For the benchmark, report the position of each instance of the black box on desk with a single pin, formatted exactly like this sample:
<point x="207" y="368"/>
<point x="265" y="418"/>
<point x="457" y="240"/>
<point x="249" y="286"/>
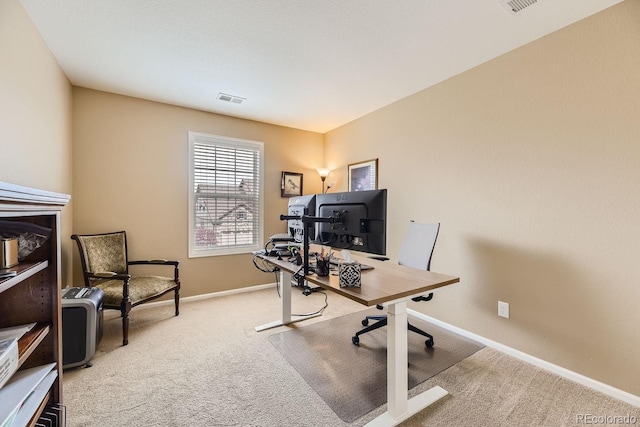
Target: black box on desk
<point x="82" y="318"/>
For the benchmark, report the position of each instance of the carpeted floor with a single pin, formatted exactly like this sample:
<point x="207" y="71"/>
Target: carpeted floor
<point x="209" y="367"/>
<point x="351" y="379"/>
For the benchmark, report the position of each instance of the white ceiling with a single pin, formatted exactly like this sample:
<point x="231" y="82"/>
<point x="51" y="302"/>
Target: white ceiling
<point x="307" y="64"/>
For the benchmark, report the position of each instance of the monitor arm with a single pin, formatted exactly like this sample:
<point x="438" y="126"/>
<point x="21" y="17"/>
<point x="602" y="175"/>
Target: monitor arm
<point x="307" y="220"/>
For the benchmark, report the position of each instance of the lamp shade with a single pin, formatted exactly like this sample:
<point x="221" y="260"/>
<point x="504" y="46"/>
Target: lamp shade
<point x="323" y="172"/>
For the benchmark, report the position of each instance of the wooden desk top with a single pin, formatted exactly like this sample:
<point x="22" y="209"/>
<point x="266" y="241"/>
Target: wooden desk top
<point x="386" y="282"/>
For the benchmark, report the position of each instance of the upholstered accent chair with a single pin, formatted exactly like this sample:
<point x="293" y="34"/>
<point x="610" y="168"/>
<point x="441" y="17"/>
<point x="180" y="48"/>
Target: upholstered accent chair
<point x="105" y="264"/>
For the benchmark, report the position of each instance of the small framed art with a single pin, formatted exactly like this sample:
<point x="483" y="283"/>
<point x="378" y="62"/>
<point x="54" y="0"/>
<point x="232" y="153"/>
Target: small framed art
<point x="363" y="175"/>
<point x="291" y="184"/>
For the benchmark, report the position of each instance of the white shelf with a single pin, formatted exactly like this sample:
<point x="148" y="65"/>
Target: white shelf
<point x="24" y="393"/>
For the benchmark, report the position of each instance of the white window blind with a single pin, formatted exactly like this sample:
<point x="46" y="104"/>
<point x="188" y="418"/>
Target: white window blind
<point x="226" y="201"/>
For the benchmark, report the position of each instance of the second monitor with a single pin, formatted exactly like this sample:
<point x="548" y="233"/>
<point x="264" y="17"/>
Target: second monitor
<point x="299" y="206"/>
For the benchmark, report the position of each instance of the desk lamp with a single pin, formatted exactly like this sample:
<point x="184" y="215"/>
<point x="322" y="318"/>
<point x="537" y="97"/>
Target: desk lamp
<point x="323" y="172"/>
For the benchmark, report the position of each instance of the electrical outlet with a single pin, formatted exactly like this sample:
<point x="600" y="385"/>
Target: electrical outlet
<point x="503" y="309"/>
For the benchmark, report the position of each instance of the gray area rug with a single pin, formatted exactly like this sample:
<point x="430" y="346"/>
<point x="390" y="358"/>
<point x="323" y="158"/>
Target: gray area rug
<point x="351" y="379"/>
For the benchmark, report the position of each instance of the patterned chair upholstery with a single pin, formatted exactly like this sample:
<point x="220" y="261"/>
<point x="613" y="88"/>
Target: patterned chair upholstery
<point x="105" y="265"/>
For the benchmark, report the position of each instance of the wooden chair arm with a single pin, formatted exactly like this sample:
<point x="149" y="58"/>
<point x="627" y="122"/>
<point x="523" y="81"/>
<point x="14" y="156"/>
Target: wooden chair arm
<point x="155" y="261"/>
<point x="109" y="275"/>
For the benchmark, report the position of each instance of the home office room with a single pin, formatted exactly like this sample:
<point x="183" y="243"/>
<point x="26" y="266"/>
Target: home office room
<point x="500" y="143"/>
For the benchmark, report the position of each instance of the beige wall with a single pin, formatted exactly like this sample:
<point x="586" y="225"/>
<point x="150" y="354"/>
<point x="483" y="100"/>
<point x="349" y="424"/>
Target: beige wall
<point x="35" y="115"/>
<point x="131" y="172"/>
<point x="531" y="163"/>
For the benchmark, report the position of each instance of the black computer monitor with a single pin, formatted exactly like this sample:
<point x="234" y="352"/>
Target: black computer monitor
<point x="360" y="219"/>
<point x="299" y="206"/>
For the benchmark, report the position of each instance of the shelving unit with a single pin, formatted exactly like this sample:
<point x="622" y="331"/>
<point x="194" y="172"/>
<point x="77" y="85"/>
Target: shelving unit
<point x="33" y="296"/>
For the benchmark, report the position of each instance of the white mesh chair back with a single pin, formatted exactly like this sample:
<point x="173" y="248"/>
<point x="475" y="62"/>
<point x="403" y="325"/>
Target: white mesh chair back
<point x="417" y="247"/>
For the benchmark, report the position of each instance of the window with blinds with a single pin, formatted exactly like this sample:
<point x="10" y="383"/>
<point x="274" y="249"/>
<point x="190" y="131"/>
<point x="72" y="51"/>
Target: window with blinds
<point x="225" y="195"/>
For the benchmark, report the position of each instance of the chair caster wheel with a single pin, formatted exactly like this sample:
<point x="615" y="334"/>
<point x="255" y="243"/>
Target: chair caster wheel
<point x="429" y="343"/>
<point x="355" y="340"/>
<point x="365" y="322"/>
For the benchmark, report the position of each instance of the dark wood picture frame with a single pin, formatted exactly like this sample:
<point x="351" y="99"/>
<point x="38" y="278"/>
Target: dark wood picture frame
<point x="291" y="184"/>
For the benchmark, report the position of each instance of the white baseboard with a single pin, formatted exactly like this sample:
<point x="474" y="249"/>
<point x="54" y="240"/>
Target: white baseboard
<point x="207" y="296"/>
<point x="558" y="370"/>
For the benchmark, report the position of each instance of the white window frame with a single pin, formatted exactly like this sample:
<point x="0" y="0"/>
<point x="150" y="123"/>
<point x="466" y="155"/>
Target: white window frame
<point x="208" y="139"/>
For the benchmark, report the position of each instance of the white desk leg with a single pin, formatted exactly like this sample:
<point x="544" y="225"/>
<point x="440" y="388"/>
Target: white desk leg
<point x="399" y="407"/>
<point x="285" y="304"/>
<point x="397" y="360"/>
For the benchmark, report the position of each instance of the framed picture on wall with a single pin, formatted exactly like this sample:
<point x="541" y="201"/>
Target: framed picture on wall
<point x="363" y="175"/>
<point x="291" y="184"/>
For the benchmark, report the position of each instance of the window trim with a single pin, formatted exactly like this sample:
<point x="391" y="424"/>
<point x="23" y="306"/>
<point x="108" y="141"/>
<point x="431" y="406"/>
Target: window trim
<point x="204" y="138"/>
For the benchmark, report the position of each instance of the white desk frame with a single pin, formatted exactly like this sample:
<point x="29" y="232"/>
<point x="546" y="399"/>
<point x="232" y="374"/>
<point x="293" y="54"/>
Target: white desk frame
<point x="399" y="406"/>
<point x="285" y="305"/>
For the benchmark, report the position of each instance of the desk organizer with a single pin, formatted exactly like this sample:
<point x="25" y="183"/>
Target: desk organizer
<point x="349" y="273"/>
<point x="322" y="267"/>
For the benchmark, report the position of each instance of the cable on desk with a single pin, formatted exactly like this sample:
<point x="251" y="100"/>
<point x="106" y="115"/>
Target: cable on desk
<point x="264" y="266"/>
<point x="314" y="290"/>
<point x="326" y="304"/>
<point x="294" y="275"/>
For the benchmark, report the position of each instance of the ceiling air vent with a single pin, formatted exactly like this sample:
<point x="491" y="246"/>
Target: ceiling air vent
<point x="231" y="98"/>
<point x="515" y="6"/>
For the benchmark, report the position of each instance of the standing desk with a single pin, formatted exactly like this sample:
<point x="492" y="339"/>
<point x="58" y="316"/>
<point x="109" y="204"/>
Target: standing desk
<point x="386" y="283"/>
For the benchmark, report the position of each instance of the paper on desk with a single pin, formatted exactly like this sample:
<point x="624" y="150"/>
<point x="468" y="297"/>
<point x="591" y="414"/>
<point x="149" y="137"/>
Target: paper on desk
<point x="15" y="331"/>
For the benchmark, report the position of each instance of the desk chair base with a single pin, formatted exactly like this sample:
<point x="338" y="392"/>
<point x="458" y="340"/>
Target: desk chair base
<point x="382" y="321"/>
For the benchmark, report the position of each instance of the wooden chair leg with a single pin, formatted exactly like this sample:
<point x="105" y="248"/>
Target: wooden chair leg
<point x="125" y="329"/>
<point x="177" y="299"/>
<point x="125" y="308"/>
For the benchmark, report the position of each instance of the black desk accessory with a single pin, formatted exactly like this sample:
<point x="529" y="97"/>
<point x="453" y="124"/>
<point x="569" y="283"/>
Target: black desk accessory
<point x="308" y="221"/>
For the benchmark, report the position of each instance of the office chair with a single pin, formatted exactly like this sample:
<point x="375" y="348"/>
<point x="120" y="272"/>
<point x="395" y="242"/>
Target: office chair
<point x="415" y="252"/>
<point x="105" y="264"/>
